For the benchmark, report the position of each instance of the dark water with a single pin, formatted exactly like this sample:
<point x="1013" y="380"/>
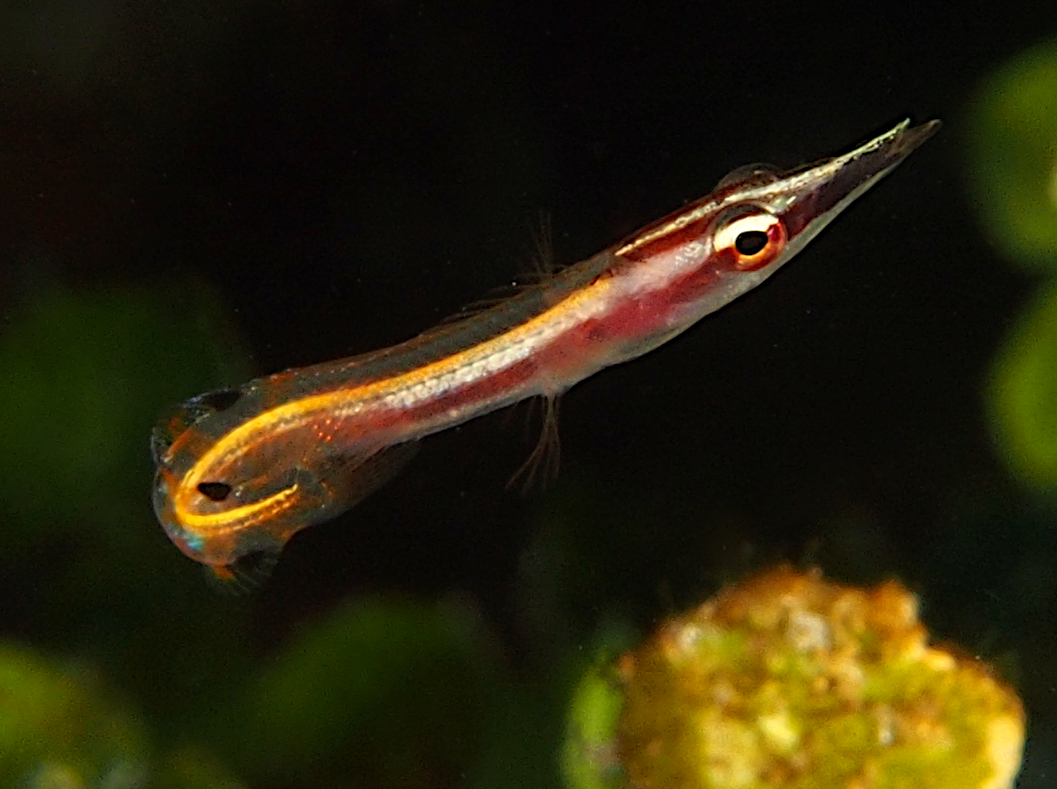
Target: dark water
<point x="203" y="192"/>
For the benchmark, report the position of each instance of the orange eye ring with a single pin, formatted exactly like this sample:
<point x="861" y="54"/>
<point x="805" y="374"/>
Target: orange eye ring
<point x="752" y="240"/>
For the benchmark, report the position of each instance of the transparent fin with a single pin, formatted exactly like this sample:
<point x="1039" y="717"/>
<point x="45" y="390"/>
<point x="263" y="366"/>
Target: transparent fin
<point x="339" y="483"/>
<point x="349" y="479"/>
<point x="542" y="463"/>
<point x="246" y="574"/>
<point x="542" y="268"/>
<point x="176" y="420"/>
<point x="496" y="296"/>
<point x="543" y="264"/>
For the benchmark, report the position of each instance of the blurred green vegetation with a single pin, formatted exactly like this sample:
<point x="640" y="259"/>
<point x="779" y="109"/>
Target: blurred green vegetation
<point x="1013" y="162"/>
<point x="60" y="726"/>
<point x="1023" y="392"/>
<point x="86" y="372"/>
<point x="346" y="690"/>
<point x="1013" y="158"/>
<point x="588" y="755"/>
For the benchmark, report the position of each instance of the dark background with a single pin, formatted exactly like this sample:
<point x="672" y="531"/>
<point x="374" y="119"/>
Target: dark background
<point x="344" y="175"/>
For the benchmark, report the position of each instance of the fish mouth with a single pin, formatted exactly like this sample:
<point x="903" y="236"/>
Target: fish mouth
<point x="813" y="196"/>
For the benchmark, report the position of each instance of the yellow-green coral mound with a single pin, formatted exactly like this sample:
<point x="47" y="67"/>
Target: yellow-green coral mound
<point x="789" y="681"/>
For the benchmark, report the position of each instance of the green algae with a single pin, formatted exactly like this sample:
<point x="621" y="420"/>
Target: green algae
<point x="87" y="372"/>
<point x="391" y="692"/>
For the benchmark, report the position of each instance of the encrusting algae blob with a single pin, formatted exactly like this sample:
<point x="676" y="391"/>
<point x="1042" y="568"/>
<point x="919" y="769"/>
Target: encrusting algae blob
<point x="788" y="681"/>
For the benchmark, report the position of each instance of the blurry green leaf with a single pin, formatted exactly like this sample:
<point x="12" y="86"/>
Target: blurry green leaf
<point x="589" y="755"/>
<point x="1013" y="157"/>
<point x="60" y="728"/>
<point x="193" y="768"/>
<point x="377" y="694"/>
<point x="1023" y="393"/>
<point x="87" y="374"/>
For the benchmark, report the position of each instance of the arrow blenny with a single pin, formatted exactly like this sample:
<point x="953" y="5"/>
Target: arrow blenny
<point x="239" y="471"/>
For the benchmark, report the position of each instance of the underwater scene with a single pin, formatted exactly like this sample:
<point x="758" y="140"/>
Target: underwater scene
<point x="800" y="534"/>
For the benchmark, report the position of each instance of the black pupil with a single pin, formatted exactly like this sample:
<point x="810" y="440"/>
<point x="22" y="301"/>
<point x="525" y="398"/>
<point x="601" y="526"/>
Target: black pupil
<point x="214" y="491"/>
<point x="750" y="242"/>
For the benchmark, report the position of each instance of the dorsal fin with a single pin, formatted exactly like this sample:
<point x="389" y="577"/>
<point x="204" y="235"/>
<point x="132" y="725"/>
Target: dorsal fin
<point x="495" y="297"/>
<point x="542" y="268"/>
<point x="543" y="263"/>
<point x="186" y="415"/>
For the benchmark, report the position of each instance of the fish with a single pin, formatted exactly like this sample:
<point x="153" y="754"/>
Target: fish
<point x="239" y="471"/>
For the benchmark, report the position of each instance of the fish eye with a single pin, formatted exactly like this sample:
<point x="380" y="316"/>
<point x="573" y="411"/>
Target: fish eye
<point x="753" y="237"/>
<point x="751" y="242"/>
<point x="214" y="491"/>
